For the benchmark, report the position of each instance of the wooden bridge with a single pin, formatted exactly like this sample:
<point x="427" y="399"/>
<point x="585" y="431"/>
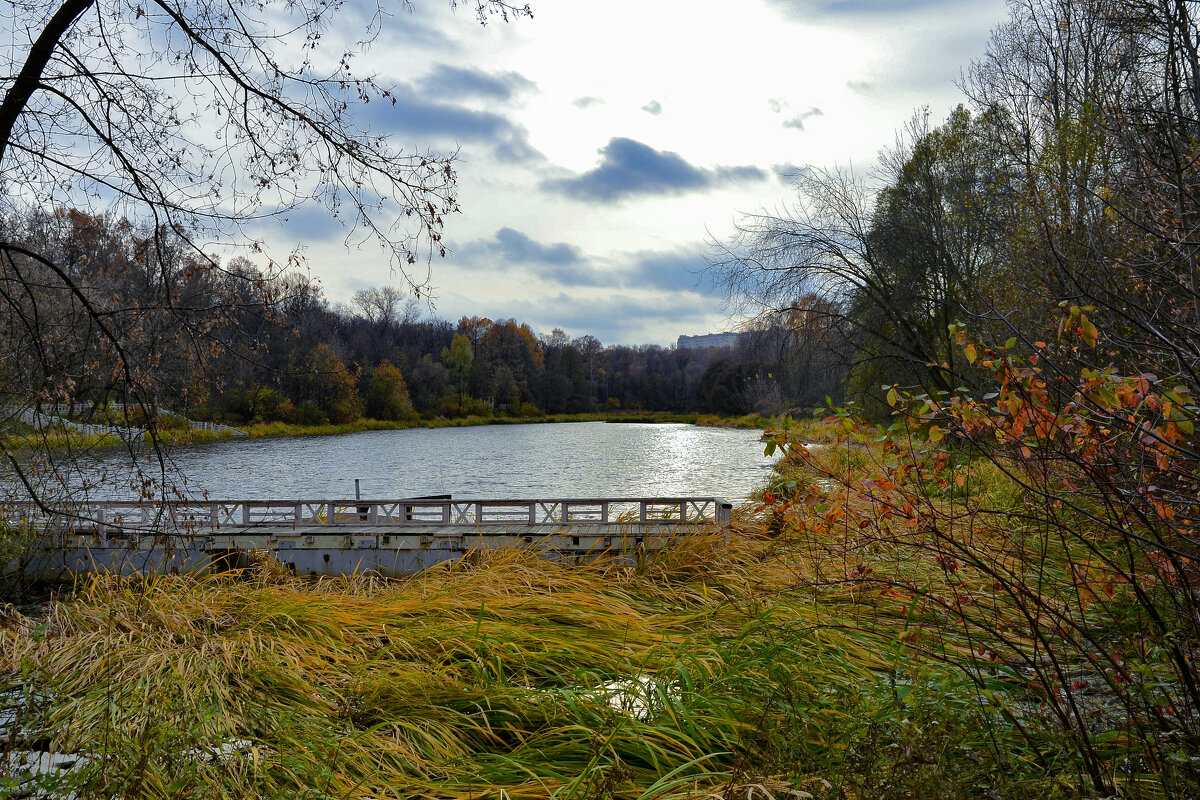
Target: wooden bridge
<point x="390" y="537"/>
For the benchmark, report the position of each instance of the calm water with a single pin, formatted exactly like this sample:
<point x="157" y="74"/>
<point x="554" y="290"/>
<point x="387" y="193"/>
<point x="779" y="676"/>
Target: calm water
<point x="590" y="459"/>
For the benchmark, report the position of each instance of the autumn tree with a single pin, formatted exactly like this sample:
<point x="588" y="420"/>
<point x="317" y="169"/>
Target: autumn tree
<point x="458" y="358"/>
<point x="1098" y="105"/>
<point x="508" y="363"/>
<point x="589" y="348"/>
<point x="897" y="260"/>
<point x="430" y="381"/>
<point x="387" y="394"/>
<point x="324" y="385"/>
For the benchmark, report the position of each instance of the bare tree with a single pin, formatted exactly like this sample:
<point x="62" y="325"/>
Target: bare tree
<point x="205" y="115"/>
<point x="193" y="119"/>
<point x="1097" y="103"/>
<point x="382" y="306"/>
<point x="897" y="259"/>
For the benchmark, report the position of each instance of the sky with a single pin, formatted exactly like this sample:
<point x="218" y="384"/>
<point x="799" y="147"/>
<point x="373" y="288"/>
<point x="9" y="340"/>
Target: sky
<point x="604" y="146"/>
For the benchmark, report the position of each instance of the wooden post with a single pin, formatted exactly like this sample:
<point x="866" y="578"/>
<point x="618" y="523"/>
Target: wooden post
<point x="724" y="511"/>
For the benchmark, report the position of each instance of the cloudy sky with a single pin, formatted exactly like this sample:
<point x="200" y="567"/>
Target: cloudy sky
<point x="602" y="144"/>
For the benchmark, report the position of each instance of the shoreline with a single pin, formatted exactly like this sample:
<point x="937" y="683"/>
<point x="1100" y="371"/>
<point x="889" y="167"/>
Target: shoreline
<point x="58" y="441"/>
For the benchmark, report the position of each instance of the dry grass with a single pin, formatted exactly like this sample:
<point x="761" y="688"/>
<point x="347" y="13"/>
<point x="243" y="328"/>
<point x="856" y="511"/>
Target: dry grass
<point x="482" y="680"/>
<point x="825" y="650"/>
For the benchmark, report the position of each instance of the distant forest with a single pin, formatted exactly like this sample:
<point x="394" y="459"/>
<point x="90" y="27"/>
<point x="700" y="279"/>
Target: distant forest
<point x="1061" y="199"/>
<point x="239" y="344"/>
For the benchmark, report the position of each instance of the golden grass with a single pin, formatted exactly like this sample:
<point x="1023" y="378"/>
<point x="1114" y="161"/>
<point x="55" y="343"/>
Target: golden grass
<point x="481" y="680"/>
<point x="821" y="650"/>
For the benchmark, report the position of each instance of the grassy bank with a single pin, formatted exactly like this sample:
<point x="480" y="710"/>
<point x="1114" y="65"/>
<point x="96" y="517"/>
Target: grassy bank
<point x="59" y="440"/>
<point x="74" y="441"/>
<point x="702" y="671"/>
<point x="654" y="417"/>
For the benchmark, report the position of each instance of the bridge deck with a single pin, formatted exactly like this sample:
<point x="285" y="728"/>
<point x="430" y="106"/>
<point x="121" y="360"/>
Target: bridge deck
<point x="339" y="537"/>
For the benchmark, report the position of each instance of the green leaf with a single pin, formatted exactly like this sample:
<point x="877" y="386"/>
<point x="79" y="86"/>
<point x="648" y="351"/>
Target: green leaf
<point x="970" y="353"/>
<point x="936" y="434"/>
<point x="1091" y="334"/>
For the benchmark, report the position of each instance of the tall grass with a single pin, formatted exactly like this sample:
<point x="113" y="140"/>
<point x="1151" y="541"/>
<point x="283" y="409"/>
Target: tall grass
<point x="494" y="679"/>
<point x="833" y="648"/>
<point x="276" y="429"/>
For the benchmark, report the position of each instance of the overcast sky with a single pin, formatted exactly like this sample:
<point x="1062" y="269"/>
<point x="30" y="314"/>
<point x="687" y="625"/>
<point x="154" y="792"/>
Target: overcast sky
<point x="602" y="144"/>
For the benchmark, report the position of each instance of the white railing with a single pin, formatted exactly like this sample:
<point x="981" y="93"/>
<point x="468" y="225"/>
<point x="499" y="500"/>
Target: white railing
<point x="41" y="421"/>
<point x="209" y="516"/>
<point x="52" y="414"/>
<point x="216" y="427"/>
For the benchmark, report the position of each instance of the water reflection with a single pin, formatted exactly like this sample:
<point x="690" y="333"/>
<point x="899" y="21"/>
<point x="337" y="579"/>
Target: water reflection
<point x="497" y="462"/>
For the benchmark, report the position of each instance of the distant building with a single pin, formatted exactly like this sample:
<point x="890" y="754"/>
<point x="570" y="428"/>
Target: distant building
<point x="707" y="340"/>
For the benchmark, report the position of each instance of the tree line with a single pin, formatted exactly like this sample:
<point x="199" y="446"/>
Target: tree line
<point x="238" y="344"/>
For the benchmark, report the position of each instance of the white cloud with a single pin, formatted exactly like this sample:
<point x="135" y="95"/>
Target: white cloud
<point x="565" y="85"/>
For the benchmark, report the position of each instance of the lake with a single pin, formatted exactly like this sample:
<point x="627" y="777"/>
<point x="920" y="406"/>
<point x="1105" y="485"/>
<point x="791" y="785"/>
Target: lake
<point x="587" y="459"/>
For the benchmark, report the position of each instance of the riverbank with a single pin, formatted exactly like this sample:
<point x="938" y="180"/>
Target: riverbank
<point x="887" y="619"/>
<point x="72" y="440"/>
<point x="275" y="429"/>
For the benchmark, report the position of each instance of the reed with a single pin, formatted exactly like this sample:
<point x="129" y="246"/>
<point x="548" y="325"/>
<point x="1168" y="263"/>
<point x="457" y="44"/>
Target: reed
<point x="491" y="679"/>
<point x="811" y="655"/>
<point x="277" y="429"/>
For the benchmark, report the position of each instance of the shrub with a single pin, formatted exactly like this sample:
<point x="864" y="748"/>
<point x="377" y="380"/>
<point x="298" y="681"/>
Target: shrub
<point x="455" y="406"/>
<point x="525" y="410"/>
<point x="1041" y="541"/>
<point x="309" y="413"/>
